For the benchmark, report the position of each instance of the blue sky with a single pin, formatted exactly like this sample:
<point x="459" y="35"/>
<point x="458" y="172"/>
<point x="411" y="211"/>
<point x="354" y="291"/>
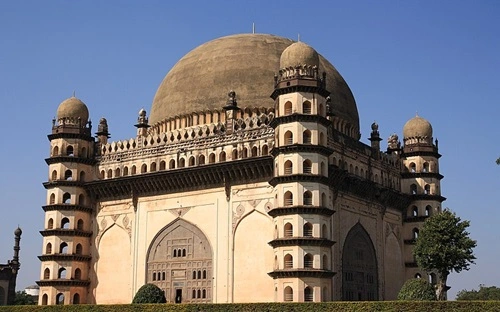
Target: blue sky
<point x="438" y="58"/>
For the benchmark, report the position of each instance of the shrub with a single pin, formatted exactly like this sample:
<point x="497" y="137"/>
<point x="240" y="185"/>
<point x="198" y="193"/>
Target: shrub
<point x="149" y="293"/>
<point x="417" y="289"/>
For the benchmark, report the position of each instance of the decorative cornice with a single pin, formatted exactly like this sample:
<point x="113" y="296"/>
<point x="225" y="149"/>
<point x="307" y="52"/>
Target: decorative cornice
<point x="296" y="117"/>
<point x="294" y="210"/>
<point x="67" y="207"/>
<point x="301" y="177"/>
<point x="435" y="175"/>
<point x="65" y="257"/>
<point x="63" y="282"/>
<point x="301" y="148"/>
<point x="434" y="197"/>
<point x="70" y="159"/>
<point x="301" y="241"/>
<point x="250" y="170"/>
<point x="59" y="183"/>
<point x="65" y="135"/>
<point x="65" y="232"/>
<point x="287" y="273"/>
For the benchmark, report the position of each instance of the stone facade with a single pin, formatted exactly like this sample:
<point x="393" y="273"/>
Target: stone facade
<point x="274" y="201"/>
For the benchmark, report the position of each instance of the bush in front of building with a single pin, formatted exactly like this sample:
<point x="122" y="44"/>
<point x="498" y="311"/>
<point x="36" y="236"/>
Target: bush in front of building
<point x="149" y="293"/>
<point x="417" y="289"/>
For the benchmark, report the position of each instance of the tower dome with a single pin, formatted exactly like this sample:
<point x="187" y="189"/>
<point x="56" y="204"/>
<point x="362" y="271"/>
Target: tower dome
<point x="245" y="63"/>
<point x="71" y="109"/>
<point x="417" y="127"/>
<point x="299" y="53"/>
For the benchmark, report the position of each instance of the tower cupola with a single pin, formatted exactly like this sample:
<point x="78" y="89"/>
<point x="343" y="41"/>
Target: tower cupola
<point x="417" y="129"/>
<point x="72" y="111"/>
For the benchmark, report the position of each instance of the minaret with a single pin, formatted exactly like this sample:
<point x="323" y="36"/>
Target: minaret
<point x="14" y="265"/>
<point x="66" y="256"/>
<point x="421" y="179"/>
<point x="304" y="205"/>
<point x="375" y="139"/>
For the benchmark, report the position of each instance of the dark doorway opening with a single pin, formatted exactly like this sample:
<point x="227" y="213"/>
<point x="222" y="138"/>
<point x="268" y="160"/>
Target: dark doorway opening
<point x="178" y="295"/>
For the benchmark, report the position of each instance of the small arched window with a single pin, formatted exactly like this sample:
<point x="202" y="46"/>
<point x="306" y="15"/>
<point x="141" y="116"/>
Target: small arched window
<point x="182" y="163"/>
<point x="117" y="173"/>
<point x="64" y="223"/>
<point x="234" y="154"/>
<point x="78" y="274"/>
<point x="144" y="168"/>
<point x="324" y="200"/>
<point x="325" y="265"/>
<point x="191" y="161"/>
<point x="110" y="174"/>
<point x="308" y="198"/>
<point x="204" y="274"/>
<point x="194" y="274"/>
<point x="308" y="229"/>
<point x="171" y="164"/>
<point x="288" y="108"/>
<point x="183" y="252"/>
<point x="413" y="167"/>
<point x="288" y="167"/>
<point x="175" y="253"/>
<point x="418" y="275"/>
<point x="69" y="151"/>
<point x="254" y="151"/>
<point x="308" y="261"/>
<point x="152" y="167"/>
<point x="199" y="274"/>
<point x="288" y="230"/>
<point x="321" y="138"/>
<point x="222" y="156"/>
<point x="211" y="158"/>
<point x="428" y="210"/>
<point x="288" y="138"/>
<point x="425" y="167"/>
<point x="324" y="231"/>
<point x="60" y="298"/>
<point x="52" y="199"/>
<point x="133" y="170"/>
<point x="61" y="273"/>
<point x="50" y="224"/>
<point x="46" y="273"/>
<point x="306" y="137"/>
<point x="288" y="294"/>
<point x="427" y="189"/>
<point x="55" y="151"/>
<point x="413" y="189"/>
<point x="307" y="166"/>
<point x="201" y="160"/>
<point x="204" y="293"/>
<point x="45" y="299"/>
<point x="415" y="233"/>
<point x="63" y="248"/>
<point x="308" y="294"/>
<point x="125" y="171"/>
<point x="244" y="153"/>
<point x="415" y="211"/>
<point x="76" y="299"/>
<point x="78" y="249"/>
<point x="265" y="150"/>
<point x="79" y="225"/>
<point x="81" y="200"/>
<point x="163" y="165"/>
<point x="48" y="249"/>
<point x="68" y="175"/>
<point x="82" y="176"/>
<point x="54" y="175"/>
<point x="288" y="198"/>
<point x="306" y="108"/>
<point x="288" y="261"/>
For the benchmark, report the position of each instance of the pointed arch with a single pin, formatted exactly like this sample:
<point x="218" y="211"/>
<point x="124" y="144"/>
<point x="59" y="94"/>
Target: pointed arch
<point x="359" y="263"/>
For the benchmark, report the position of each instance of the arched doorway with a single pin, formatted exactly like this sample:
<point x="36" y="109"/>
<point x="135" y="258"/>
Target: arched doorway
<point x="359" y="266"/>
<point x="179" y="261"/>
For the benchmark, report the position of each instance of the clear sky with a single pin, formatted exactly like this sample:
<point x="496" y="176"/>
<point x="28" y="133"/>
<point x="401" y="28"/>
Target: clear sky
<point x="438" y="58"/>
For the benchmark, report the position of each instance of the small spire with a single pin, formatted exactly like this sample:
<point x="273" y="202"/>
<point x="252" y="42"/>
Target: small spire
<point x="253" y="28"/>
<point x="74" y="93"/>
<point x="416" y="113"/>
<point x="298" y="37"/>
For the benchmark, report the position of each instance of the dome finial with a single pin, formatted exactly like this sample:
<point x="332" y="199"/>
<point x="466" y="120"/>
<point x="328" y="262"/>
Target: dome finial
<point x="298" y="37"/>
<point x="253" y="28"/>
<point x="74" y="93"/>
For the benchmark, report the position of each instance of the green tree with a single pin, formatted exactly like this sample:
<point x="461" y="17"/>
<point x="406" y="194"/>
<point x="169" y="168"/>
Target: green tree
<point x="443" y="245"/>
<point x="484" y="293"/>
<point x="417" y="289"/>
<point x="149" y="293"/>
<point x="22" y="298"/>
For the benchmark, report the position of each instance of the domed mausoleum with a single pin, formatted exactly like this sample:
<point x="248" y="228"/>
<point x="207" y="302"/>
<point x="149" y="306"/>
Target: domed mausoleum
<point x="247" y="182"/>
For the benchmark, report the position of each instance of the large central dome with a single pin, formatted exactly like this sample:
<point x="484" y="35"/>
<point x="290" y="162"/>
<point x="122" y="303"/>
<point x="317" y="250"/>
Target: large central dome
<point x="245" y="63"/>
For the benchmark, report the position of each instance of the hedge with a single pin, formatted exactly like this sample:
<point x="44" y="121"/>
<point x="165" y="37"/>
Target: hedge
<point x="418" y="306"/>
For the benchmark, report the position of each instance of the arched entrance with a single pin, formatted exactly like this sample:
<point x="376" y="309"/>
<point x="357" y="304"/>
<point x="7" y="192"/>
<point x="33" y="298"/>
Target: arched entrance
<point x="359" y="266"/>
<point x="179" y="261"/>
